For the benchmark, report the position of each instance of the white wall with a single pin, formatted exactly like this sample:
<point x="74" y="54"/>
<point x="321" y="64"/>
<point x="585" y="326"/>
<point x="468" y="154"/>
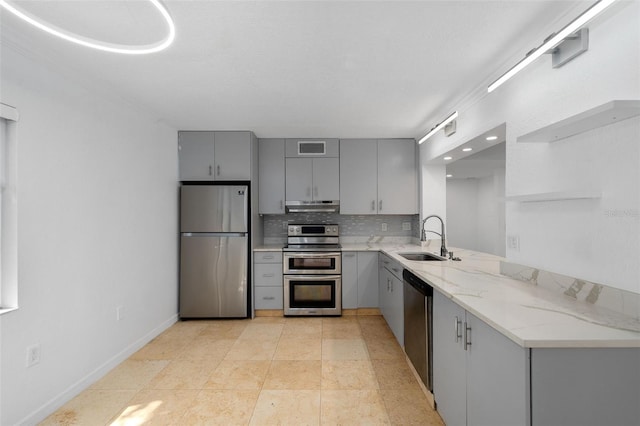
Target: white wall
<point x="97" y="215"/>
<point x="433" y="192"/>
<point x="462" y="213"/>
<point x="584" y="239"/>
<point x="475" y="213"/>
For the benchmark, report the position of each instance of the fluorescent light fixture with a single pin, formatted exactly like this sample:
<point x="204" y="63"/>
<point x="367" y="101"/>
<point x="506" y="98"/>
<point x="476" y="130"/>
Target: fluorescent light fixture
<point x="491" y="138"/>
<point x="467" y="149"/>
<point x="552" y="42"/>
<point x="449" y="175"/>
<point x="448" y="158"/>
<point x="433" y="131"/>
<point x="97" y="44"/>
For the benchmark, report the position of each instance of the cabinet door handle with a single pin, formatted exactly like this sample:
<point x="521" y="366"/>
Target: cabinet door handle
<point x="218" y="170"/>
<point x="457" y="329"/>
<point x="467" y="336"/>
<point x="349" y="255"/>
<point x="210" y="170"/>
<point x="380" y="205"/>
<point x="373" y="205"/>
<point x="268" y="275"/>
<point x="268" y="256"/>
<point x="395" y="270"/>
<point x="281" y="207"/>
<point x="268" y="298"/>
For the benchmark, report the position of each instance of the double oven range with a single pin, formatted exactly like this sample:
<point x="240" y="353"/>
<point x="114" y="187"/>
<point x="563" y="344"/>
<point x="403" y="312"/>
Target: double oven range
<point x="312" y="270"/>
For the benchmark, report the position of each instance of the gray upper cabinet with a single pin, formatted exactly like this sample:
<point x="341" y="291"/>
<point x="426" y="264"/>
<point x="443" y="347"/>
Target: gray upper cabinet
<point x="309" y="179"/>
<point x="378" y="176"/>
<point x="397" y="177"/>
<point x="326" y="179"/>
<point x="196" y="155"/>
<point x="208" y="155"/>
<point x="233" y="155"/>
<point x="271" y="176"/>
<point x="312" y="169"/>
<point x="359" y="176"/>
<point x="299" y="179"/>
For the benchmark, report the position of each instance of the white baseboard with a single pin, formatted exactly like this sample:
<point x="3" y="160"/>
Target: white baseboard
<point x="72" y="391"/>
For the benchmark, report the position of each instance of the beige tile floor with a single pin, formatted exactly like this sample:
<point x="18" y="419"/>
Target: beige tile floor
<point x="265" y="371"/>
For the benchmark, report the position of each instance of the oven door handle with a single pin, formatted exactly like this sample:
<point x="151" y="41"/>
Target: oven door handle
<point x="316" y="255"/>
<point x="313" y="277"/>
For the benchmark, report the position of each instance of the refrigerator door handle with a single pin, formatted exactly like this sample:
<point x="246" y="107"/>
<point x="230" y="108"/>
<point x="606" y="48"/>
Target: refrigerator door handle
<point x="214" y="234"/>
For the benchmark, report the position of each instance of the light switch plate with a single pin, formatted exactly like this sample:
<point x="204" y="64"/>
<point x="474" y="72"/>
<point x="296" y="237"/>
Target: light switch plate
<point x="406" y="226"/>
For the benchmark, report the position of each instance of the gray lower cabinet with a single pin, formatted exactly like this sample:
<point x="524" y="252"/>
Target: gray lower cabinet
<point x="391" y="295"/>
<point x="480" y="377"/>
<point x="585" y="386"/>
<point x="359" y="279"/>
<point x="349" y="280"/>
<point x="490" y="380"/>
<point x="267" y="279"/>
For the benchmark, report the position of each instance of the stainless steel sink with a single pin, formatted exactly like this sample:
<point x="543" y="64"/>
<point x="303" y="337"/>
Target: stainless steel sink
<point x="422" y="257"/>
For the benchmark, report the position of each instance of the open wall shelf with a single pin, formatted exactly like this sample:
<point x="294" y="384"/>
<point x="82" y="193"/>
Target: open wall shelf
<point x="602" y="115"/>
<point x="555" y="196"/>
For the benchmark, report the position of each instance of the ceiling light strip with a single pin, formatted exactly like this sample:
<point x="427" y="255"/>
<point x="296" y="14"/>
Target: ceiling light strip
<point x="433" y="131"/>
<point x="97" y="44"/>
<point x="565" y="32"/>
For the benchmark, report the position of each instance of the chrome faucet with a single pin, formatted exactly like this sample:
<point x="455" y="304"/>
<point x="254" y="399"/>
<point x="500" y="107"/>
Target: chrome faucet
<point x="423" y="237"/>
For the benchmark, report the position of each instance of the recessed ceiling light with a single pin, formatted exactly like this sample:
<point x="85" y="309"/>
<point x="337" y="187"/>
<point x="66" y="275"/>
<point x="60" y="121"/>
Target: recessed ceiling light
<point x="98" y="44"/>
<point x="449" y="175"/>
<point x="467" y="149"/>
<point x="448" y="158"/>
<point x="492" y="138"/>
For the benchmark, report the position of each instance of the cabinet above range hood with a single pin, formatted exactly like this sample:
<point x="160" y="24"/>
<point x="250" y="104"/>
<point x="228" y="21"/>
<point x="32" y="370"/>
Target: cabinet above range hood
<point x="315" y="206"/>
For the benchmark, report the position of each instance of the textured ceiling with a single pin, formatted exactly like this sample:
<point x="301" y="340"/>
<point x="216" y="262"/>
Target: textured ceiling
<point x="296" y="68"/>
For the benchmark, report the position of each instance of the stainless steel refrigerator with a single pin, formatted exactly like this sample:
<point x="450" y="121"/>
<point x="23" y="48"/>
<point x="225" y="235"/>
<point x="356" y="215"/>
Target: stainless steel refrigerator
<point x="214" y="245"/>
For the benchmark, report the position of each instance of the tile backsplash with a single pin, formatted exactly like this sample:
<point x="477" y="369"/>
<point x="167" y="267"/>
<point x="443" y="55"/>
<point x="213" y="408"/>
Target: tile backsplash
<point x="275" y="226"/>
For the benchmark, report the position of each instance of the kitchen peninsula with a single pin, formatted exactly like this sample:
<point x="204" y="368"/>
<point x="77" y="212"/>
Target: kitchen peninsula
<point x="541" y="341"/>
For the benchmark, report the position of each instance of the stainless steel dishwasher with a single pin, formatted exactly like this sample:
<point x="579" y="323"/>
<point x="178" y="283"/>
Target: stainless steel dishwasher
<point x="418" y="316"/>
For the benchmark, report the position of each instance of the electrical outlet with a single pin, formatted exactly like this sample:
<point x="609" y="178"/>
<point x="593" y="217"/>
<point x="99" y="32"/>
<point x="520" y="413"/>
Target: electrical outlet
<point x="33" y="355"/>
<point x="119" y="313"/>
<point x="285" y="225"/>
<point x="384" y="227"/>
<point x="513" y="242"/>
<point x="406" y="226"/>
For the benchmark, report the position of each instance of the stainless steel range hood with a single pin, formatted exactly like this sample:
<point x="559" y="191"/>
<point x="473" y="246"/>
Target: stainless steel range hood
<point x="324" y="206"/>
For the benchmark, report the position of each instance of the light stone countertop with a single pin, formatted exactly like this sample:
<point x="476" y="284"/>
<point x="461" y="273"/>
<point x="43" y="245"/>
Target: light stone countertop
<point x="530" y="315"/>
